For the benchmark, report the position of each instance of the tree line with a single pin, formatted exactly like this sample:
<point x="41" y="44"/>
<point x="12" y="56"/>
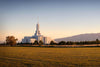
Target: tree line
<point x="75" y="43"/>
<point x="11" y="40"/>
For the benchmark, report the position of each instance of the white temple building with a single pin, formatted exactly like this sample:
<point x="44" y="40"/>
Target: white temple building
<point x="37" y="36"/>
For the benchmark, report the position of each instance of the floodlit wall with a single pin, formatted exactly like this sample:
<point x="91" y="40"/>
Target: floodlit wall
<point x="32" y="40"/>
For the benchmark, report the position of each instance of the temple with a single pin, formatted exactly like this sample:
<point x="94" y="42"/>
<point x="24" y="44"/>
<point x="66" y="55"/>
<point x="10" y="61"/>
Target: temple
<point x="37" y="36"/>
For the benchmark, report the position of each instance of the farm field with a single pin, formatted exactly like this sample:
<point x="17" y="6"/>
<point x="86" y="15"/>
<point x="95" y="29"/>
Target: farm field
<point x="49" y="57"/>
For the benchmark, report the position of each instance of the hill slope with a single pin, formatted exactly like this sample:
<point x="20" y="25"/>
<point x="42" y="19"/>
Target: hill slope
<point x="81" y="37"/>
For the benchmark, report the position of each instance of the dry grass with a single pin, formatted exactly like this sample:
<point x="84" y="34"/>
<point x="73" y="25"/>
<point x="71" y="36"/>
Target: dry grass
<point x="49" y="57"/>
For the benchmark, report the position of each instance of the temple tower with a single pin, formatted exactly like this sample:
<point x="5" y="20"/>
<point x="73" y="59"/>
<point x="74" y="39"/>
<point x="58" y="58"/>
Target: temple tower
<point x="37" y="33"/>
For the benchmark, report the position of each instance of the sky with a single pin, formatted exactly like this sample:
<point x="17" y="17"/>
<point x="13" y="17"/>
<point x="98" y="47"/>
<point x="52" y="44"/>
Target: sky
<point x="57" y="18"/>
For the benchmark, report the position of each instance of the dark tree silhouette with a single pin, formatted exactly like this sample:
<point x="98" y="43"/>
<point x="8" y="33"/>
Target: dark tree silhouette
<point x="35" y="42"/>
<point x="70" y="43"/>
<point x="52" y="43"/>
<point x="62" y="43"/>
<point x="40" y="43"/>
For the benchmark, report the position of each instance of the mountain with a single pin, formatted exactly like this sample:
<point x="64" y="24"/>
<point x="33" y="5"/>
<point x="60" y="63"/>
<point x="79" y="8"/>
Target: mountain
<point x="81" y="37"/>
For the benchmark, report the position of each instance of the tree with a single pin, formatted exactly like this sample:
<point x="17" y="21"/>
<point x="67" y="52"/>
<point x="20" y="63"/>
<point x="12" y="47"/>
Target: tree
<point x="10" y="40"/>
<point x="62" y="43"/>
<point x="35" y="42"/>
<point x="97" y="42"/>
<point x="40" y="43"/>
<point x="52" y="43"/>
<point x="70" y="43"/>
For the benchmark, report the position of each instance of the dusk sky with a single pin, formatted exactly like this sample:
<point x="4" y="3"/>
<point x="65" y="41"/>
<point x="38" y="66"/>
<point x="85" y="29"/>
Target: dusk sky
<point x="57" y="18"/>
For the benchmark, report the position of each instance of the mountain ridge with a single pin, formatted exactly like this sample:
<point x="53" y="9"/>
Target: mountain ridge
<point x="80" y="37"/>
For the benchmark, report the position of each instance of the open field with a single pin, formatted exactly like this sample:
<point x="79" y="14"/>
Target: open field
<point x="49" y="57"/>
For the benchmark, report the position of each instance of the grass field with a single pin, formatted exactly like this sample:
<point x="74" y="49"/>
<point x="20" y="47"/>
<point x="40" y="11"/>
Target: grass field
<point x="49" y="57"/>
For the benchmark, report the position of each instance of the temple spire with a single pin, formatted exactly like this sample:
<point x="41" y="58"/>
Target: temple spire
<point x="37" y="28"/>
